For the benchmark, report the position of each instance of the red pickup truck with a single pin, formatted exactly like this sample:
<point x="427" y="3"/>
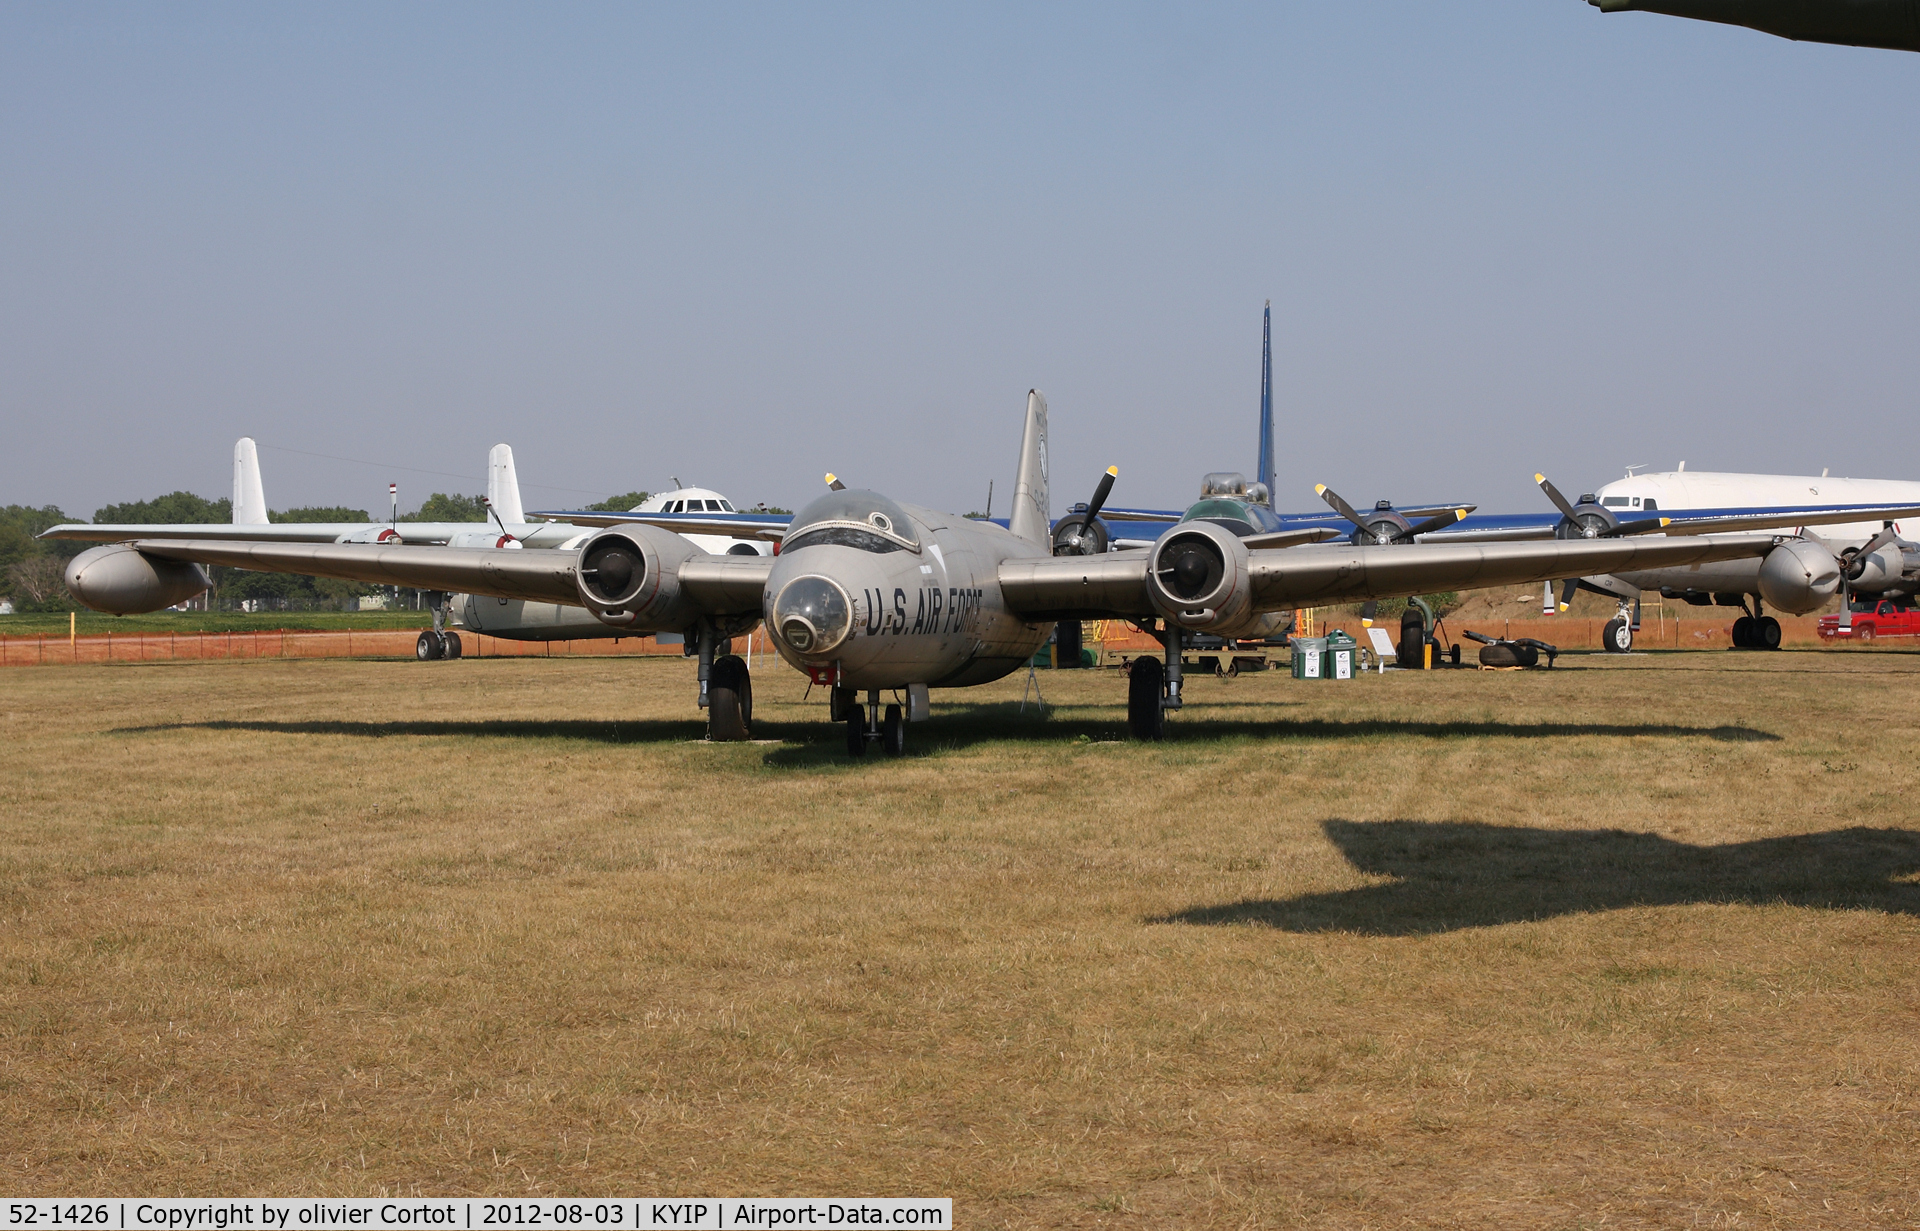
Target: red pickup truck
<point x="1872" y="619"/>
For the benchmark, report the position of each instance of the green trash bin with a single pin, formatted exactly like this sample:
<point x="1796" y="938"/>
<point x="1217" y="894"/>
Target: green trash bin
<point x="1343" y="656"/>
<point x="1309" y="658"/>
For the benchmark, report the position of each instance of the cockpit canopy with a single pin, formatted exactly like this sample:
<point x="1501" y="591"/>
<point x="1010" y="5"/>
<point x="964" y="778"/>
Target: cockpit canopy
<point x="1226" y="483"/>
<point x="864" y="520"/>
<point x="1238" y="517"/>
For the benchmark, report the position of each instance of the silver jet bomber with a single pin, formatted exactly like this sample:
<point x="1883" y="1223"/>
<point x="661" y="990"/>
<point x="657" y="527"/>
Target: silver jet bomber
<point x="869" y="595"/>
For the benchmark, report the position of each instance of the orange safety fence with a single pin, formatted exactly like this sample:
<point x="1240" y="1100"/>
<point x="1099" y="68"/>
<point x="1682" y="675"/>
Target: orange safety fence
<point x="56" y="650"/>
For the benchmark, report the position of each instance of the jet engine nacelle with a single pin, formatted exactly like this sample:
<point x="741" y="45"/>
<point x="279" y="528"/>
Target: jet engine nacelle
<point x="1798" y="576"/>
<point x="118" y="580"/>
<point x="1197" y="578"/>
<point x="629" y="577"/>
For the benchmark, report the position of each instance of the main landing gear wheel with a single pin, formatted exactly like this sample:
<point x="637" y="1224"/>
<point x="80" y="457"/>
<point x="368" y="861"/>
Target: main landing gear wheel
<point x="1766" y="633"/>
<point x="1146" y="719"/>
<point x="1617" y="636"/>
<point x="729" y="700"/>
<point x="893" y="732"/>
<point x="1743" y="633"/>
<point x="429" y="647"/>
<point x="452" y="643"/>
<point x="857" y="732"/>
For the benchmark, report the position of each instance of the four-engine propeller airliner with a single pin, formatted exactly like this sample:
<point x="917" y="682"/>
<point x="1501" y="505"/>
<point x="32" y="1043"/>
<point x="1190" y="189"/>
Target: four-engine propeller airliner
<point x="871" y="595"/>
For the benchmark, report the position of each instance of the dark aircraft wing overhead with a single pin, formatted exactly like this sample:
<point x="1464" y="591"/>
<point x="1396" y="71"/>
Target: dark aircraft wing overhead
<point x="539" y="576"/>
<point x="768" y="526"/>
<point x="1892" y="24"/>
<point x="1116" y="583"/>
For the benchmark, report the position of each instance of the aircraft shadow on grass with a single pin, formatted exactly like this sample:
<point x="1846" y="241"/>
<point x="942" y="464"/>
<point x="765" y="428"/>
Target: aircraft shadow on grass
<point x="966" y="725"/>
<point x="1457" y="875"/>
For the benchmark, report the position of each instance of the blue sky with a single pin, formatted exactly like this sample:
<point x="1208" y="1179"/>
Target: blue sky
<point x="746" y="245"/>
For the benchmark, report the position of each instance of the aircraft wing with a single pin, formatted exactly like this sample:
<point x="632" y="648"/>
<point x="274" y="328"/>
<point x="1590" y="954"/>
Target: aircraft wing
<point x="1517" y="527"/>
<point x="1116" y="583"/>
<point x="302" y="532"/>
<point x="726" y="583"/>
<point x="718" y="584"/>
<point x="1166" y="515"/>
<point x="277" y="532"/>
<point x="539" y="576"/>
<point x="769" y="526"/>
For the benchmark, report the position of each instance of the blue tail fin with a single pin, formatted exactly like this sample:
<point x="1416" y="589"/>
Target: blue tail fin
<point x="1266" y="399"/>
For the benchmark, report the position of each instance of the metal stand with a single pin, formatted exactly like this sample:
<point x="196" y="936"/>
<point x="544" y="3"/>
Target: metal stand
<point x="1033" y="686"/>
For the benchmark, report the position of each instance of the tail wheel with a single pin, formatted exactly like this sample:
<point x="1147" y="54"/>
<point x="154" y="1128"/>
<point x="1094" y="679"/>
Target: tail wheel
<point x="728" y="700"/>
<point x="1146" y="718"/>
<point x="429" y="647"/>
<point x="452" y="641"/>
<point x="893" y="732"/>
<point x="1767" y="633"/>
<point x="1617" y="636"/>
<point x="857" y="733"/>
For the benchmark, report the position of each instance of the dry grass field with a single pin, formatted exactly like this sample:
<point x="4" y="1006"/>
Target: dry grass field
<point x="1629" y="943"/>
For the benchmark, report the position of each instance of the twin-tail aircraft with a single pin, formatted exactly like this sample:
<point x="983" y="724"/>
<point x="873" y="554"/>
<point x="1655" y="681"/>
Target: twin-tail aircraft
<point x="869" y="595"/>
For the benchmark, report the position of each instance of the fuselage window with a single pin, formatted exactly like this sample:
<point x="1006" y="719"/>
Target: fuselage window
<point x="840" y="536"/>
<point x="726" y="506"/>
<point x="1615" y="502"/>
<point x="713" y="506"/>
<point x="1636" y="502"/>
<point x="676" y="506"/>
<point x="1650" y="506"/>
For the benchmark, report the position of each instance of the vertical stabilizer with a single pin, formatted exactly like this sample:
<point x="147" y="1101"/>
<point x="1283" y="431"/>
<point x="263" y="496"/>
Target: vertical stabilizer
<point x="249" y="498"/>
<point x="1266" y="399"/>
<point x="503" y="486"/>
<point x="1032" y="518"/>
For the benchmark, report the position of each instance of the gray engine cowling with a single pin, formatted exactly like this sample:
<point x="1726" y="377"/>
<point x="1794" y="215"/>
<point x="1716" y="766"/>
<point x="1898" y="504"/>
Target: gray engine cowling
<point x="118" y="580"/>
<point x="1798" y="576"/>
<point x="1197" y="577"/>
<point x="629" y="577"/>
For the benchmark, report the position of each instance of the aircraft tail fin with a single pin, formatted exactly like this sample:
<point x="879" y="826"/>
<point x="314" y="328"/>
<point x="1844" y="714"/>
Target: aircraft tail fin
<point x="1266" y="401"/>
<point x="249" y="497"/>
<point x="503" y="486"/>
<point x="1032" y="518"/>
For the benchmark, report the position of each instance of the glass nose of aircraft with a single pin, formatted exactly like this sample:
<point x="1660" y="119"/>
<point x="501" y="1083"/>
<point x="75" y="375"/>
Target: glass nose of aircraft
<point x="812" y="615"/>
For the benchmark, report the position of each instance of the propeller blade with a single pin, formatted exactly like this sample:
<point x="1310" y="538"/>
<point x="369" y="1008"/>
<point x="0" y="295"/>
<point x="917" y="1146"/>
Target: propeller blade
<point x="1567" y="589"/>
<point x="1553" y="493"/>
<point x="834" y="484"/>
<point x="1101" y="493"/>
<point x="1645" y="525"/>
<point x="1339" y="506"/>
<point x="1368" y="610"/>
<point x="1428" y="526"/>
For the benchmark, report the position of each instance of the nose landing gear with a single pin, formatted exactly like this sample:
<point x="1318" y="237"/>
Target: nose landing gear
<point x="866" y="723"/>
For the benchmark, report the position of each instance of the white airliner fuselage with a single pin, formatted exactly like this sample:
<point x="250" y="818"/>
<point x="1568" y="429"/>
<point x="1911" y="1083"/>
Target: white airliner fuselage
<point x="1682" y="490"/>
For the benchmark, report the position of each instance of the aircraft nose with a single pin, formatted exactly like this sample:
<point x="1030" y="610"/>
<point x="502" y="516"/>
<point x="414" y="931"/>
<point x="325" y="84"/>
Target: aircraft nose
<point x="812" y="615"/>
